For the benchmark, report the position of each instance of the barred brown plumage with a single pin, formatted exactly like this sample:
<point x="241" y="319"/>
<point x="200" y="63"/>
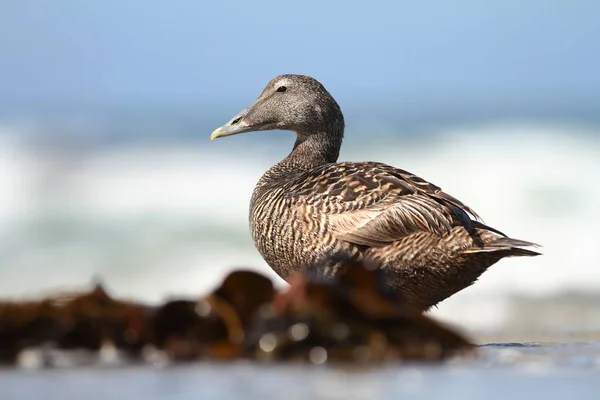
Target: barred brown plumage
<point x="309" y="210"/>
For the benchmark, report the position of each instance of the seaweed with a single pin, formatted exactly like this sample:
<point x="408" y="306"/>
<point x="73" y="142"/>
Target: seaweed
<point x="351" y="318"/>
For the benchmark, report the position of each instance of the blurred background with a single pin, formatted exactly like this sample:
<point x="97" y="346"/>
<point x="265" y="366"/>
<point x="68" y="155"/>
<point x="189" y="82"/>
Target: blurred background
<point x="106" y="169"/>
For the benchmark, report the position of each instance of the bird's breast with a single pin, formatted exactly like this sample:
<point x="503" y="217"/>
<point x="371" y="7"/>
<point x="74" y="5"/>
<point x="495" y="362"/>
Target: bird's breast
<point x="289" y="235"/>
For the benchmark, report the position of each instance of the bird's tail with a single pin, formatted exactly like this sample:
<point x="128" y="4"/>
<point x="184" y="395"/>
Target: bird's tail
<point x="497" y="242"/>
<point x="508" y="247"/>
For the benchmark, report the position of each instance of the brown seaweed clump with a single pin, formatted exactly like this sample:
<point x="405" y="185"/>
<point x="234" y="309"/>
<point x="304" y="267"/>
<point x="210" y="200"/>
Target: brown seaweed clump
<point x="215" y="326"/>
<point x="349" y="319"/>
<point x="75" y="321"/>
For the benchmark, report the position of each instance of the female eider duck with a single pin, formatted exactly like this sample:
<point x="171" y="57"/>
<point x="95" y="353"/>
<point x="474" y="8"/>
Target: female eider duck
<point x="310" y="210"/>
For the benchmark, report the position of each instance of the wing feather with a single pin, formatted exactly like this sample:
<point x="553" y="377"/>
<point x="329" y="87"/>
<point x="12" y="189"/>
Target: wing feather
<point x="374" y="204"/>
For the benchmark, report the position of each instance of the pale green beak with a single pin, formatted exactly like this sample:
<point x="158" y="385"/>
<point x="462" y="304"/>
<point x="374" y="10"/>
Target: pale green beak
<point x="233" y="127"/>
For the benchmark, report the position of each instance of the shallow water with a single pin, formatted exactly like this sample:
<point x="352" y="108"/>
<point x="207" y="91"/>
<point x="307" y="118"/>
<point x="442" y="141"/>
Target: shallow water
<point x="502" y="370"/>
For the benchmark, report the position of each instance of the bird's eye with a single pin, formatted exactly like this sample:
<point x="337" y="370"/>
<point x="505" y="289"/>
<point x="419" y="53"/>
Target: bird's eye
<point x="281" y="89"/>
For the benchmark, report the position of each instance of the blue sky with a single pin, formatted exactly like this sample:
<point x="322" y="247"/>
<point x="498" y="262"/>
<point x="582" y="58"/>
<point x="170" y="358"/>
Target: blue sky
<point x="502" y="53"/>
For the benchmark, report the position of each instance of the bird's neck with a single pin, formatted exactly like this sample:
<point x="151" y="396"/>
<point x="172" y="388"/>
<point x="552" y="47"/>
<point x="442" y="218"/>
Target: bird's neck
<point x="317" y="149"/>
<point x="309" y="152"/>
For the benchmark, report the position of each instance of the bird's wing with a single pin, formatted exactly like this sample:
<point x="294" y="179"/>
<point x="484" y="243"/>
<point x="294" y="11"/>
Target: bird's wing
<point x="374" y="204"/>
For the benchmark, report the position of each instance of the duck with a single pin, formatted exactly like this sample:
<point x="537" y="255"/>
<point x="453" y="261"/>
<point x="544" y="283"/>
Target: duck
<point x="309" y="212"/>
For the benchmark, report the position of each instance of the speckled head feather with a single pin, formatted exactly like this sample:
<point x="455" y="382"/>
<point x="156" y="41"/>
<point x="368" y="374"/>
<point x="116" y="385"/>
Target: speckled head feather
<point x="289" y="102"/>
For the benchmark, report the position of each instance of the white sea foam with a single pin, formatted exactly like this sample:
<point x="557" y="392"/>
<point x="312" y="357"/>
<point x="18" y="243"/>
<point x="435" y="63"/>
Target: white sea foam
<point x="173" y="219"/>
